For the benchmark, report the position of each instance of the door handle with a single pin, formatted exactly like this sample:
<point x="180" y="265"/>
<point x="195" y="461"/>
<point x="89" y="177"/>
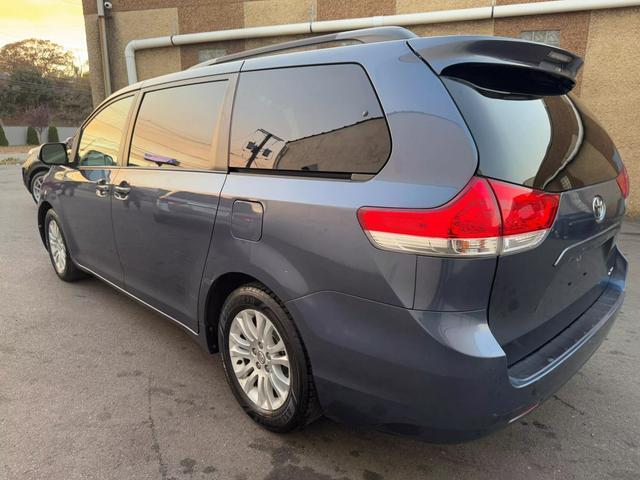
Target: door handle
<point x="102" y="188"/>
<point x="121" y="192"/>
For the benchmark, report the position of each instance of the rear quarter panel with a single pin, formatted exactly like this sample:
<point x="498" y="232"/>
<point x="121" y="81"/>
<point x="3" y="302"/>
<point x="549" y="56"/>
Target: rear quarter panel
<point x="311" y="239"/>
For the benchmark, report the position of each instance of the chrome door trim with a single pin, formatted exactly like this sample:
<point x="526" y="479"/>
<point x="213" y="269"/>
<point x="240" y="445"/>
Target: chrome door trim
<point x="131" y="295"/>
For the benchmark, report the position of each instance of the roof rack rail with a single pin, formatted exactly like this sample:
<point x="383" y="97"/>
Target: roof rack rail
<point x="365" y="35"/>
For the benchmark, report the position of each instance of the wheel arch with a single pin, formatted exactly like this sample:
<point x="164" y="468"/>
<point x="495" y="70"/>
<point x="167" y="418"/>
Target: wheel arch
<point x="34" y="173"/>
<point x="217" y="293"/>
<point x="43" y="208"/>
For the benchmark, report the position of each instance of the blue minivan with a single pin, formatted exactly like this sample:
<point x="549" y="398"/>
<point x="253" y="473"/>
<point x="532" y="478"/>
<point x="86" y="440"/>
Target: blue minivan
<point x="412" y="234"/>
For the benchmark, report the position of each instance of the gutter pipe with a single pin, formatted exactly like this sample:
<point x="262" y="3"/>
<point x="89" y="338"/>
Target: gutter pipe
<point x="104" y="49"/>
<point x="425" y="18"/>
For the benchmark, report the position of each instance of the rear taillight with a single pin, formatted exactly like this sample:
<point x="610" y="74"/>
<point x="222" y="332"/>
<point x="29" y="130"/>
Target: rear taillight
<point x="487" y="218"/>
<point x="527" y="215"/>
<point x="623" y="181"/>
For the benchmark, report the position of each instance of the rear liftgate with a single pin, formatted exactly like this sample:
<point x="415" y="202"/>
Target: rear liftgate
<point x="548" y="196"/>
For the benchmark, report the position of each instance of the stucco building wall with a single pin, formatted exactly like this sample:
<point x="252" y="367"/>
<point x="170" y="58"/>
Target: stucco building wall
<point x="607" y="39"/>
<point x="611" y="84"/>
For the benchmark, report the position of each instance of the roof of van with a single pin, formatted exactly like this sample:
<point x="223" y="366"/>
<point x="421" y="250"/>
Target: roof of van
<point x="441" y="52"/>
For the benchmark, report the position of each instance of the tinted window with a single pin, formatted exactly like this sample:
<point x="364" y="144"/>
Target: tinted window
<point x="100" y="140"/>
<point x="175" y="127"/>
<point x="552" y="143"/>
<point x="318" y="119"/>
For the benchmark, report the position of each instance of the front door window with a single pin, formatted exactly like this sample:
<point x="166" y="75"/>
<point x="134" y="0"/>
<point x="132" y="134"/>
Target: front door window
<point x="100" y="140"/>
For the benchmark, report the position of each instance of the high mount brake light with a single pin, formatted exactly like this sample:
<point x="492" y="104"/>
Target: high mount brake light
<point x="487" y="218"/>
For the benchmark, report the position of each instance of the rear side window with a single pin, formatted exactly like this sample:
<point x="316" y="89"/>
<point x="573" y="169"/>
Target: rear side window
<point x="100" y="138"/>
<point x="175" y="127"/>
<point x="551" y="143"/>
<point x="309" y="119"/>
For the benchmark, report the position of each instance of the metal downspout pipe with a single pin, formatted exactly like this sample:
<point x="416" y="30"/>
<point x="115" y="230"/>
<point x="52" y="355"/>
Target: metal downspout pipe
<point x="425" y="18"/>
<point x="104" y="49"/>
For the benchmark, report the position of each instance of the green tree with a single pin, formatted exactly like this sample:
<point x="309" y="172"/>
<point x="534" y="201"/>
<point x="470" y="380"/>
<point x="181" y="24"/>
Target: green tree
<point x="44" y="56"/>
<point x="32" y="136"/>
<point x="40" y="72"/>
<point x="3" y="138"/>
<point x="73" y="100"/>
<point x="52" y="135"/>
<point x="25" y="89"/>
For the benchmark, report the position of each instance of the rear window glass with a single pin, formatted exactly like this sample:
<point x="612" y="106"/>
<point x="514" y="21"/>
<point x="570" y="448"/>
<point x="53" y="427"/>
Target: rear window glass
<point x="175" y="127"/>
<point x="312" y="119"/>
<point x="551" y="143"/>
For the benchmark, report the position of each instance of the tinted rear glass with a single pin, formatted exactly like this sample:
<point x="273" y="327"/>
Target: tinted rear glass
<point x="313" y="119"/>
<point x="551" y="143"/>
<point x="175" y="127"/>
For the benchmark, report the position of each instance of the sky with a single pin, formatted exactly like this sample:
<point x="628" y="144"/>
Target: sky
<point x="60" y="21"/>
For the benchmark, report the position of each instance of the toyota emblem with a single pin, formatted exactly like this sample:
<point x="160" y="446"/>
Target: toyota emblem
<point x="599" y="208"/>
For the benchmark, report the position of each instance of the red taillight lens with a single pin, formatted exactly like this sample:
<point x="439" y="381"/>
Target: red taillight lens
<point x="527" y="215"/>
<point x="467" y="225"/>
<point x="523" y="209"/>
<point x="623" y="182"/>
<point x="472" y="213"/>
<point x="487" y="218"/>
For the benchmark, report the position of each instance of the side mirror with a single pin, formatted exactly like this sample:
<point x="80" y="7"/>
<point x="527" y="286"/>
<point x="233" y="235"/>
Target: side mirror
<point x="53" y="154"/>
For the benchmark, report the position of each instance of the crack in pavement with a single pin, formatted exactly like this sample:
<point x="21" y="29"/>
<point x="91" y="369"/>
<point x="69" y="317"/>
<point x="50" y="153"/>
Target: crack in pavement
<point x="568" y="405"/>
<point x="155" y="445"/>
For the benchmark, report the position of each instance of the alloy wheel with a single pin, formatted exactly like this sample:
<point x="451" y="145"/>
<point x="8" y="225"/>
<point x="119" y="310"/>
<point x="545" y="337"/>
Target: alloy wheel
<point x="36" y="188"/>
<point x="57" y="247"/>
<point x="259" y="359"/>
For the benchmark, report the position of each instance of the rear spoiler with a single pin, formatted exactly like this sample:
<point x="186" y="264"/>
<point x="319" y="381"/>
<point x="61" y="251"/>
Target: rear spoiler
<point x="502" y="65"/>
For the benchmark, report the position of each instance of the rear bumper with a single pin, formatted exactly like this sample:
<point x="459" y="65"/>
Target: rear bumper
<point x="438" y="376"/>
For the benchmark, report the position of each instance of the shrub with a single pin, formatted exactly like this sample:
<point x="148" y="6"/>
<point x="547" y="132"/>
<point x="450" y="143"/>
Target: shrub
<point x="52" y="135"/>
<point x="3" y="138"/>
<point x="38" y="117"/>
<point x="32" y="136"/>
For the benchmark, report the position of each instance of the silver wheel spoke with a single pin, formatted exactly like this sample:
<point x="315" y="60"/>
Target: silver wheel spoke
<point x="267" y="335"/>
<point x="37" y="187"/>
<point x="273" y="399"/>
<point x="242" y="369"/>
<point x="57" y="247"/>
<point x="249" y="382"/>
<point x="240" y="340"/>
<point x="259" y="359"/>
<point x="278" y="347"/>
<point x="250" y="325"/>
<point x="279" y="384"/>
<point x="245" y="323"/>
<point x="239" y="351"/>
<point x="263" y="397"/>
<point x="280" y="360"/>
<point x="261" y="320"/>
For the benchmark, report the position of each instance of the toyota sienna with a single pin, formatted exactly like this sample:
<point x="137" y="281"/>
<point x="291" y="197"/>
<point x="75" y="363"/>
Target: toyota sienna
<point x="412" y="234"/>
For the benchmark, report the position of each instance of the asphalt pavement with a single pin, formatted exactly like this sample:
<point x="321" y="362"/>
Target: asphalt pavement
<point x="95" y="386"/>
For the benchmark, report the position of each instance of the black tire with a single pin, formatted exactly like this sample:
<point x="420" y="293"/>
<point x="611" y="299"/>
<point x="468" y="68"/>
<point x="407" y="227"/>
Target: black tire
<point x="38" y="176"/>
<point x="70" y="273"/>
<point x="301" y="405"/>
